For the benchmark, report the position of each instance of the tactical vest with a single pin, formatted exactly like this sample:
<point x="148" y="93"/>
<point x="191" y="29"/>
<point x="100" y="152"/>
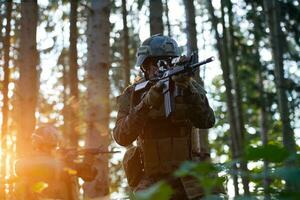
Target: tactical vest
<point x="165" y="143"/>
<point x="45" y="170"/>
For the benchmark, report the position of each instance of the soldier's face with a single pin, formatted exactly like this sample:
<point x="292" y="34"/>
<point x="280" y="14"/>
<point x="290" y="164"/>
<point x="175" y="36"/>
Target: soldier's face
<point x="150" y="66"/>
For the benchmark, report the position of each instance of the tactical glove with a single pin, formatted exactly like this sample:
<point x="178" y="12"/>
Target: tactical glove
<point x="154" y="97"/>
<point x="182" y="80"/>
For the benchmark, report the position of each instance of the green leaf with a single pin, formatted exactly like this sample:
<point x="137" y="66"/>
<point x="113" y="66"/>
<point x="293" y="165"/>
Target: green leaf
<point x="39" y="187"/>
<point x="160" y="190"/>
<point x="291" y="174"/>
<point x="246" y="198"/>
<point x="287" y="195"/>
<point x="213" y="197"/>
<point x="195" y="169"/>
<point x="131" y="196"/>
<point x="271" y="153"/>
<point x="205" y="173"/>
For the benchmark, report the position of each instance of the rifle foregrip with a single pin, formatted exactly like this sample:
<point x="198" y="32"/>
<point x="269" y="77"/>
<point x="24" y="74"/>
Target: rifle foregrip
<point x="168" y="104"/>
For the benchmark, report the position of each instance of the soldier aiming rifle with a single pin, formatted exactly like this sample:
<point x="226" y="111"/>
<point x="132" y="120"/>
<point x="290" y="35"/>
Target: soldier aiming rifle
<point x="47" y="174"/>
<point x="159" y="112"/>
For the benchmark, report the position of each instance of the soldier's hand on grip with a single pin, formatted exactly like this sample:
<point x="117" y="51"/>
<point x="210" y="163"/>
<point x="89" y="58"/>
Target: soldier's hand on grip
<point x="154" y="97"/>
<point x="184" y="59"/>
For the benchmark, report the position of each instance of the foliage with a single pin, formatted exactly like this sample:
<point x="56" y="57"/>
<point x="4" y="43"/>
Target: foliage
<point x="205" y="173"/>
<point x="160" y="190"/>
<point x="271" y="153"/>
<point x="213" y="177"/>
<point x="39" y="187"/>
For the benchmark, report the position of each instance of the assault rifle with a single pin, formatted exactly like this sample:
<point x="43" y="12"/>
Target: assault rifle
<point x="166" y="71"/>
<point x="84" y="151"/>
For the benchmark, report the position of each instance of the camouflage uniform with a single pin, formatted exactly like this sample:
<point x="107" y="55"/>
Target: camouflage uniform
<point x="42" y="175"/>
<point x="164" y="143"/>
<point x="44" y="170"/>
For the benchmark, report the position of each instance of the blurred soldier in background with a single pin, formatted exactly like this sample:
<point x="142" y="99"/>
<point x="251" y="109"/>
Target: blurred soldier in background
<point x="47" y="174"/>
<point x="162" y="143"/>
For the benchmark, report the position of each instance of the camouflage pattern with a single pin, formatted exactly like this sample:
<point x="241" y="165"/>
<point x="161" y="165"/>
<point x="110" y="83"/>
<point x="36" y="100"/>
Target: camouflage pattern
<point x="165" y="143"/>
<point x="157" y="46"/>
<point x="47" y="174"/>
<point x="59" y="176"/>
<point x="44" y="171"/>
<point x="133" y="116"/>
<point x="132" y="165"/>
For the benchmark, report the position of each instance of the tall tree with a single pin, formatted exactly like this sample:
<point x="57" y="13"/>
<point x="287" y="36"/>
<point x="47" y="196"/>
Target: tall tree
<point x="126" y="64"/>
<point x="191" y="29"/>
<point x="235" y="146"/>
<point x="73" y="76"/>
<point x="27" y="84"/>
<point x="263" y="121"/>
<point x="63" y="60"/>
<point x="2" y="170"/>
<point x="5" y="109"/>
<point x="232" y="54"/>
<point x="156" y="12"/>
<point x="272" y="11"/>
<point x="1" y="26"/>
<point x="98" y="93"/>
<point x="200" y="136"/>
<point x="167" y="18"/>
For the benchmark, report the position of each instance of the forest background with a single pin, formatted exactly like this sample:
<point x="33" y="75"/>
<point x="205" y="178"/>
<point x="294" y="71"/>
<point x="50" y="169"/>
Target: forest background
<point x="65" y="62"/>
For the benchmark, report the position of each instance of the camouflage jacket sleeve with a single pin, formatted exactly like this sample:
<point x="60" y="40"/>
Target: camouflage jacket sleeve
<point x="199" y="112"/>
<point x="129" y="121"/>
<point x="85" y="170"/>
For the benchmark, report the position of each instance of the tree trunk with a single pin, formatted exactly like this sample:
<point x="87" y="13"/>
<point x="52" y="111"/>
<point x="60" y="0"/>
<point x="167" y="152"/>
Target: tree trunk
<point x="191" y="30"/>
<point x="190" y="26"/>
<point x="167" y="18"/>
<point x="237" y="94"/>
<point x="263" y="112"/>
<point x="27" y="86"/>
<point x="276" y="35"/>
<point x="200" y="135"/>
<point x="156" y="22"/>
<point x="276" y="40"/>
<point x="73" y="77"/>
<point x="126" y="64"/>
<point x="5" y="109"/>
<point x="228" y="85"/>
<point x="263" y="128"/>
<point x="1" y="27"/>
<point x="98" y="94"/>
<point x="66" y="100"/>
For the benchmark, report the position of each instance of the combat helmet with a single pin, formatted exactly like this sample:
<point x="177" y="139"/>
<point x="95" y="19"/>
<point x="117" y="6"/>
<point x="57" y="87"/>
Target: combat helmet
<point x="46" y="137"/>
<point x="157" y="46"/>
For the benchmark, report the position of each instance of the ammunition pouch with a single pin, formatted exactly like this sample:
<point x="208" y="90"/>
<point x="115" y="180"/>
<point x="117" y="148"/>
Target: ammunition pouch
<point x="133" y="165"/>
<point x="164" y="155"/>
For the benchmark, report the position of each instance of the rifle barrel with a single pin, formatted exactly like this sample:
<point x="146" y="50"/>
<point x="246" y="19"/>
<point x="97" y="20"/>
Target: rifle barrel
<point x="208" y="60"/>
<point x="88" y="151"/>
<point x="95" y="151"/>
